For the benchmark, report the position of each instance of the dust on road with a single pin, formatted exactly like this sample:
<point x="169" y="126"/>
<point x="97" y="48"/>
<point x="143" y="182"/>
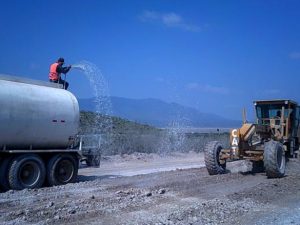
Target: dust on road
<point x="140" y="163"/>
<point x="182" y="196"/>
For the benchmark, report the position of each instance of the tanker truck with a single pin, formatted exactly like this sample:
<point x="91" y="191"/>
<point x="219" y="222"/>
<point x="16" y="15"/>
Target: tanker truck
<point x="39" y="123"/>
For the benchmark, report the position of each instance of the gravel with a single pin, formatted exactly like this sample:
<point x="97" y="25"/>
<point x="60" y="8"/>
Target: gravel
<point x="180" y="197"/>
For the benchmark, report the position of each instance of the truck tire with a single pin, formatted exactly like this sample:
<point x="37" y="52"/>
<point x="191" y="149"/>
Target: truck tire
<point x="4" y="169"/>
<point x="93" y="160"/>
<point x="274" y="159"/>
<point x="26" y="171"/>
<point x="212" y="162"/>
<point x="62" y="169"/>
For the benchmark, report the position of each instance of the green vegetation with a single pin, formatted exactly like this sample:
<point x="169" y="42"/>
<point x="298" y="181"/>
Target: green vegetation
<point x="118" y="125"/>
<point x="121" y="136"/>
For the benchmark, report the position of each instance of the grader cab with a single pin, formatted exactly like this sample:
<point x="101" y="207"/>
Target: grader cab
<point x="268" y="143"/>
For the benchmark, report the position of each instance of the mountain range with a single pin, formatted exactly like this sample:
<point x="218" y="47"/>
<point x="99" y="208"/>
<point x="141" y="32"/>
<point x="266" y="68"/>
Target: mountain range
<point x="158" y="113"/>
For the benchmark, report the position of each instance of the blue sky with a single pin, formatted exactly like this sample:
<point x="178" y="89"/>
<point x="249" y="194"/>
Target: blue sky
<point x="216" y="56"/>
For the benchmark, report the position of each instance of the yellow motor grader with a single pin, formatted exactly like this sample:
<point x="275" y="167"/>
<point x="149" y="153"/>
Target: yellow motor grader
<point x="268" y="143"/>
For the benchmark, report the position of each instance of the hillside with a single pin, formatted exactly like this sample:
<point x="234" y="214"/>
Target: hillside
<point x="120" y="136"/>
<point x="117" y="125"/>
<point x="159" y="113"/>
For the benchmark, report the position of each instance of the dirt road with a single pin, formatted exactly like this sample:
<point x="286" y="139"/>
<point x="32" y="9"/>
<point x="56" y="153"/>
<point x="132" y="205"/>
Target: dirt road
<point x="182" y="196"/>
<point x="138" y="163"/>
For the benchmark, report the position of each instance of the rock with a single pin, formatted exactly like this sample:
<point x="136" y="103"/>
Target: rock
<point x="19" y="213"/>
<point x="27" y="212"/>
<point x="50" y="204"/>
<point x="161" y="191"/>
<point x="57" y="217"/>
<point x="72" y="211"/>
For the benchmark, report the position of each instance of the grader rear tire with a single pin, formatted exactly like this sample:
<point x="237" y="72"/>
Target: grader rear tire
<point x="274" y="159"/>
<point x="212" y="161"/>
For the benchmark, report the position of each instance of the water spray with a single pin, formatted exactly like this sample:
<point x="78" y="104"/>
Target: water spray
<point x="78" y="66"/>
<point x="102" y="122"/>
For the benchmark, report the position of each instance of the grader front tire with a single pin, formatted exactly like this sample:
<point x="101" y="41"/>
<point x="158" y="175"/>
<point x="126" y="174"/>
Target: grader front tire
<point x="213" y="163"/>
<point x="274" y="159"/>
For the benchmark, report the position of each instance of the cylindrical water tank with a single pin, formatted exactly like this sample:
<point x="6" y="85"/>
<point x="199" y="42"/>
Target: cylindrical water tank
<point x="36" y="115"/>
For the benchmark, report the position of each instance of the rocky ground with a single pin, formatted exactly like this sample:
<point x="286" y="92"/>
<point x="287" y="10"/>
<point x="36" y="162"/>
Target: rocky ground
<point x="181" y="196"/>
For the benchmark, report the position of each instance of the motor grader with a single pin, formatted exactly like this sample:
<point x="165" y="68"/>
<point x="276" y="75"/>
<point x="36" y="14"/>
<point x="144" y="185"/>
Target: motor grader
<point x="268" y="143"/>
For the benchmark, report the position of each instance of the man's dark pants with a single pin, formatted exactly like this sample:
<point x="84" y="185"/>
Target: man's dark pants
<point x="61" y="81"/>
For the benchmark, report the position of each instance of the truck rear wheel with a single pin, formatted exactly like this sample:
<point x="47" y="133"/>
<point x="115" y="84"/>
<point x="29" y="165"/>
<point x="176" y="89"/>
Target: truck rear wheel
<point x="274" y="159"/>
<point x="212" y="158"/>
<point x="62" y="169"/>
<point x="4" y="169"/>
<point x="26" y="171"/>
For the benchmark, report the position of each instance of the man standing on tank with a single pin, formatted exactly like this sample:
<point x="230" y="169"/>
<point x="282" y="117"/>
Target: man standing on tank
<point x="56" y="69"/>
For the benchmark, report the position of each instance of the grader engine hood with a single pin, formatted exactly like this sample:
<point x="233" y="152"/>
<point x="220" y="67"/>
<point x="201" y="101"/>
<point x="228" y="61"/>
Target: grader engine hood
<point x="240" y="135"/>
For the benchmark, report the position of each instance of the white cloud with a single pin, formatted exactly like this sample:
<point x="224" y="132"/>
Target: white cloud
<point x="168" y="19"/>
<point x="149" y="15"/>
<point x="295" y="55"/>
<point x="206" y="88"/>
<point x="171" y="19"/>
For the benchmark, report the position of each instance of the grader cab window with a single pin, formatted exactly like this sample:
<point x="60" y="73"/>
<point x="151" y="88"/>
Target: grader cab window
<point x="297" y="120"/>
<point x="266" y="112"/>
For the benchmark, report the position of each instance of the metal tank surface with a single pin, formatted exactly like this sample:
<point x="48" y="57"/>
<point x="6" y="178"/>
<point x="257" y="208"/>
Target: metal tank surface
<point x="36" y="115"/>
